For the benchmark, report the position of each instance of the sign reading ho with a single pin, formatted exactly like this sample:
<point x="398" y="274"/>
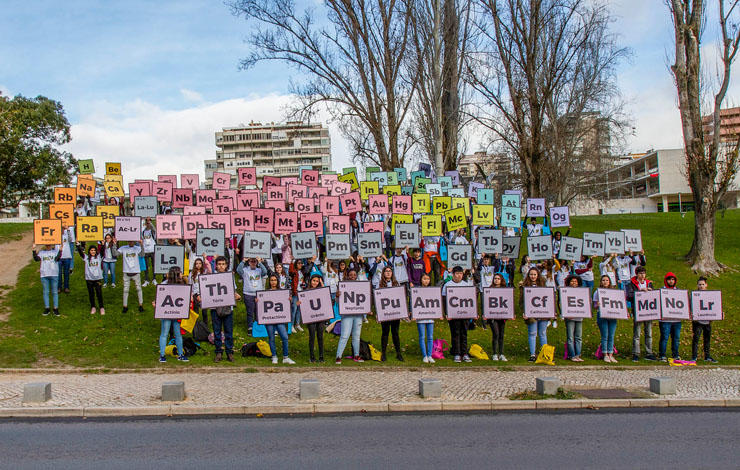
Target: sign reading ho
<point x="462" y="302"/>
<point x="172" y="302"/>
<point x="613" y="304"/>
<point x="647" y="305"/>
<point x="337" y="246"/>
<point x="316" y="305"/>
<point x="706" y="305"/>
<point x="303" y="244"/>
<point x="390" y="303"/>
<point x="674" y="304"/>
<point x="570" y="248"/>
<point x="369" y="244"/>
<point x="539" y="302"/>
<point x="575" y="302"/>
<point x="498" y="303"/>
<point x="209" y="241"/>
<point x="426" y="303"/>
<point x="257" y="245"/>
<point x="128" y="229"/>
<point x="459" y="255"/>
<point x="217" y="290"/>
<point x="273" y="306"/>
<point x="146" y="206"/>
<point x="539" y="247"/>
<point x="354" y="297"/>
<point x="490" y="241"/>
<point x="168" y="256"/>
<point x="593" y="244"/>
<point x="407" y="235"/>
<point x="510" y="247"/>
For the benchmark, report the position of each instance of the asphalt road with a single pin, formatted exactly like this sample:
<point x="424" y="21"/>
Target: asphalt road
<point x="678" y="438"/>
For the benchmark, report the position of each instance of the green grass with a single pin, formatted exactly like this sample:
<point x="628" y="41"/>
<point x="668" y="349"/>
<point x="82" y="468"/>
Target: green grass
<point x="562" y="394"/>
<point x="13" y="231"/>
<point x="130" y="340"/>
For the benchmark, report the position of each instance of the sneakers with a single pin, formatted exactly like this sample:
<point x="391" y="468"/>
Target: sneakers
<point x="502" y="358"/>
<point x="399" y="357"/>
<point x="183" y="358"/>
<point x="93" y="311"/>
<point x="677" y="358"/>
<point x="56" y="312"/>
<point x="274" y="360"/>
<point x="425" y="360"/>
<point x="154" y="282"/>
<point x="338" y="361"/>
<point x="141" y="308"/>
<point x="466" y="358"/>
<point x="532" y="358"/>
<point x="358" y="359"/>
<point x="456" y="359"/>
<point x="299" y="328"/>
<point x="635" y="358"/>
<point x="431" y="359"/>
<point x="162" y="359"/>
<point x="663" y="359"/>
<point x="46" y="312"/>
<point x="695" y="359"/>
<point x="218" y="357"/>
<point x="125" y="309"/>
<point x="105" y="284"/>
<point x="554" y="323"/>
<point x="113" y="285"/>
<point x="494" y="357"/>
<point x="145" y="283"/>
<point x="711" y="360"/>
<point x="287" y="360"/>
<point x="651" y="357"/>
<point x="102" y="311"/>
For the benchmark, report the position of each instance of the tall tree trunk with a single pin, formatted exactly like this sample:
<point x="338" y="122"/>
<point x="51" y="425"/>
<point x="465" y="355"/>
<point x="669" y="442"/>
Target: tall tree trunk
<point x="450" y="86"/>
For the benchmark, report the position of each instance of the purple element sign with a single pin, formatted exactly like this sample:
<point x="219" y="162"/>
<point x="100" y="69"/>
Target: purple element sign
<point x="462" y="302"/>
<point x="575" y="302"/>
<point x="273" y="306"/>
<point x="559" y="217"/>
<point x="353" y="297"/>
<point x="128" y="229"/>
<point x="473" y="188"/>
<point x="539" y="302"/>
<point x="217" y="290"/>
<point x="426" y="303"/>
<point x="316" y="305"/>
<point x="674" y="304"/>
<point x="612" y="304"/>
<point x="172" y="302"/>
<point x="535" y="207"/>
<point x="706" y="305"/>
<point x="390" y="303"/>
<point x="647" y="305"/>
<point x="498" y="303"/>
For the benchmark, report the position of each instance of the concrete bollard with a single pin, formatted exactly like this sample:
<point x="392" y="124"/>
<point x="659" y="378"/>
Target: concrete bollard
<point x="308" y="389"/>
<point x="37" y="392"/>
<point x="173" y="391"/>
<point x="430" y="388"/>
<point x="663" y="385"/>
<point x="547" y="385"/>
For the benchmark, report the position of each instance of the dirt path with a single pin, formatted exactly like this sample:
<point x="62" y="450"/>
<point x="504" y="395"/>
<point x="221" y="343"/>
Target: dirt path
<point x="15" y="255"/>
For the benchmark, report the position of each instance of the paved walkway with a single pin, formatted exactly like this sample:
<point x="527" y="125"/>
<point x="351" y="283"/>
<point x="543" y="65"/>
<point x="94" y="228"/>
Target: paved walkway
<point x="217" y="388"/>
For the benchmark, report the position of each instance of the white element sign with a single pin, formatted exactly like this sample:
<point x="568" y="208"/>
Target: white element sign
<point x="575" y="302"/>
<point x="571" y="248"/>
<point x="217" y="290"/>
<point x="539" y="302"/>
<point x="559" y="217"/>
<point x="209" y="241"/>
<point x="257" y="245"/>
<point x="614" y="242"/>
<point x="168" y="256"/>
<point x="498" y="303"/>
<point x="535" y="207"/>
<point x="706" y="305"/>
<point x="632" y="240"/>
<point x="353" y="297"/>
<point x="490" y="241"/>
<point x="426" y="303"/>
<point x="539" y="248"/>
<point x="370" y="244"/>
<point x="407" y="235"/>
<point x="510" y="247"/>
<point x="390" y="303"/>
<point x="593" y="244"/>
<point x="337" y="246"/>
<point x="674" y="304"/>
<point x="612" y="304"/>
<point x="459" y="255"/>
<point x="647" y="305"/>
<point x="462" y="302"/>
<point x="303" y="244"/>
<point x="273" y="306"/>
<point x="316" y="305"/>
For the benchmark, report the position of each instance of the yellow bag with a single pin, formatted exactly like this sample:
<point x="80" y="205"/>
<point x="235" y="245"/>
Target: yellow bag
<point x="478" y="352"/>
<point x="546" y="356"/>
<point x="186" y="267"/>
<point x="171" y="350"/>
<point x="189" y="323"/>
<point x="374" y="353"/>
<point x="264" y="348"/>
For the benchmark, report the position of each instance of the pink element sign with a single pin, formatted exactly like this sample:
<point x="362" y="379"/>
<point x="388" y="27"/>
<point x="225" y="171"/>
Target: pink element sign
<point x="329" y="205"/>
<point x="221" y="180"/>
<point x="270" y="181"/>
<point x="172" y="179"/>
<point x="248" y="200"/>
<point x="242" y="220"/>
<point x="205" y="197"/>
<point x="310" y="177"/>
<point x="277" y="204"/>
<point x="247" y="176"/>
<point x="401" y="205"/>
<point x="646" y="304"/>
<point x="191" y="224"/>
<point x="288" y="180"/>
<point x="172" y="302"/>
<point x="312" y="222"/>
<point x="612" y="304"/>
<point x="193" y="210"/>
<point x="351" y="202"/>
<point x="222" y="221"/>
<point x="273" y="306"/>
<point x="182" y="198"/>
<point x="372" y="226"/>
<point x="277" y="193"/>
<point x="353" y="297"/>
<point x="189" y="182"/>
<point x="316" y="192"/>
<point x="338" y="188"/>
<point x="674" y="304"/>
<point x="575" y="302"/>
<point x="217" y="290"/>
<point x="169" y="226"/>
<point x="706" y="305"/>
<point x="378" y="204"/>
<point x="286" y="222"/>
<point x="162" y="190"/>
<point x="316" y="305"/>
<point x="303" y="205"/>
<point x="390" y="303"/>
<point x="498" y="303"/>
<point x="426" y="303"/>
<point x="327" y="180"/>
<point x="228" y="194"/>
<point x="539" y="302"/>
<point x="223" y="206"/>
<point x="128" y="229"/>
<point x="139" y="189"/>
<point x="462" y="302"/>
<point x="338" y="224"/>
<point x="296" y="190"/>
<point x="263" y="220"/>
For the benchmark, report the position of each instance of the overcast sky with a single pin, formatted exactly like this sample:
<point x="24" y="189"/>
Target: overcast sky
<point x="148" y="83"/>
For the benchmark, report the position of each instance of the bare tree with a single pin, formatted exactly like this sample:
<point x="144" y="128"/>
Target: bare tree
<point x="710" y="168"/>
<point x="351" y="53"/>
<point x="543" y="66"/>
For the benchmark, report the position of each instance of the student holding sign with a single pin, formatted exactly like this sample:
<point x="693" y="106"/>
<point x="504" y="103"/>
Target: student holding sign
<point x="273" y="283"/>
<point x="498" y="326"/>
<point x="174" y="277"/>
<point x="640" y="282"/>
<point x="669" y="328"/>
<point x="109" y="251"/>
<point x="66" y="259"/>
<point x="93" y="276"/>
<point x="535" y="327"/>
<point x="426" y="327"/>
<point x="149" y="237"/>
<point x="701" y="328"/>
<point x="388" y="279"/>
<point x="574" y="326"/>
<point x="49" y="272"/>
<point x="607" y="326"/>
<point x="131" y="273"/>
<point x="351" y="325"/>
<point x="315" y="329"/>
<point x="458" y="327"/>
<point x="253" y="272"/>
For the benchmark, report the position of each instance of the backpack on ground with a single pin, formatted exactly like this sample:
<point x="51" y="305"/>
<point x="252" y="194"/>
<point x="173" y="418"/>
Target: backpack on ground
<point x="365" y="350"/>
<point x="439" y="346"/>
<point x="251" y="350"/>
<point x="200" y="331"/>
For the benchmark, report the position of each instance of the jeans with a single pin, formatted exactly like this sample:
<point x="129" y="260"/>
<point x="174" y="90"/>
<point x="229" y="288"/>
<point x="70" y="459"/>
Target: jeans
<point x="426" y="338"/>
<point x="149" y="261"/>
<point x="94" y="290"/>
<point x="458" y="336"/>
<point x="109" y="267"/>
<point x="672" y="329"/>
<point x="127" y="285"/>
<point x="165" y="332"/>
<point x="50" y="284"/>
<point x="295" y="312"/>
<point x="647" y="326"/>
<point x="607" y="328"/>
<point x="227" y="323"/>
<point x="699" y="330"/>
<point x="574" y="330"/>
<point x="316" y="333"/>
<point x="64" y="267"/>
<point x="390" y="326"/>
<point x="283" y="332"/>
<point x="536" y="328"/>
<point x="351" y="324"/>
<point x="623" y="284"/>
<point x="497" y="336"/>
<point x="589" y="284"/>
<point x="250" y="302"/>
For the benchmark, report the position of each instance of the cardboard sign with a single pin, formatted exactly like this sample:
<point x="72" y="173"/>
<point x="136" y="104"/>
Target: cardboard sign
<point x="397" y="219"/>
<point x="316" y="192"/>
<point x="316" y="305"/>
<point x="614" y="242"/>
<point x="559" y="217"/>
<point x="217" y="290"/>
<point x="511" y="199"/>
<point x="329" y="205"/>
<point x="473" y="188"/>
<point x="257" y="245"/>
<point x="461" y="302"/>
<point x="128" y="229"/>
<point x="221" y="180"/>
<point x="431" y="225"/>
<point x="278" y="205"/>
<point x="172" y="302"/>
<point x="65" y="195"/>
<point x="296" y="191"/>
<point x="484" y="196"/>
<point x="407" y="235"/>
<point x="273" y="306"/>
<point x="313" y="222"/>
<point x="47" y="232"/>
<point x="85" y="187"/>
<point x="401" y="204"/>
<point x="90" y="229"/>
<point x="369" y="244"/>
<point x="189" y="182"/>
<point x="426" y="303"/>
<point x="441" y="204"/>
<point x="146" y="206"/>
<point x="327" y="179"/>
<point x="674" y="304"/>
<point x="86" y="167"/>
<point x="420" y="204"/>
<point x="484" y="215"/>
<point x="706" y="305"/>
<point x="511" y="217"/>
<point x="456" y="219"/>
<point x="539" y="248"/>
<point x="459" y="255"/>
<point x="367" y="188"/>
<point x="303" y="245"/>
<point x="193" y="210"/>
<point x="353" y="297"/>
<point x="223" y="206"/>
<point x="632" y="240"/>
<point x="286" y="222"/>
<point x="112" y="168"/>
<point x="270" y="182"/>
<point x="264" y="220"/>
<point x="338" y="224"/>
<point x="456" y="193"/>
<point x="63" y="212"/>
<point x="510" y="247"/>
<point x="219" y="221"/>
<point x="539" y="302"/>
<point x="378" y="204"/>
<point x="172" y="179"/>
<point x="113" y="189"/>
<point x="209" y="242"/>
<point x="303" y="204"/>
<point x="646" y="305"/>
<point x="498" y="303"/>
<point x="205" y="197"/>
<point x="337" y="246"/>
<point x="310" y="177"/>
<point x="339" y="188"/>
<point x="350" y="202"/>
<point x="168" y="256"/>
<point x="390" y="303"/>
<point x="490" y="241"/>
<point x="182" y="198"/>
<point x="191" y="224"/>
<point x="575" y="302"/>
<point x="350" y="178"/>
<point x="169" y="226"/>
<point x="372" y="226"/>
<point x="570" y="248"/>
<point x="247" y="176"/>
<point x="613" y="304"/>
<point x="593" y="244"/>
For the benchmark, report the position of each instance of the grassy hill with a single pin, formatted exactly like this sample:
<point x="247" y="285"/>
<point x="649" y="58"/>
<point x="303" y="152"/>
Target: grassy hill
<point x="131" y="340"/>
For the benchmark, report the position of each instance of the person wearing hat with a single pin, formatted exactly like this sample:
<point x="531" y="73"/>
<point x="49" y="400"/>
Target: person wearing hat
<point x="669" y="328"/>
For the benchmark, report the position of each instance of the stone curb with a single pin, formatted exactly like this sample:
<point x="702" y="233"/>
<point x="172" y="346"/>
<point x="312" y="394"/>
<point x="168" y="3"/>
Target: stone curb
<point x="358" y="407"/>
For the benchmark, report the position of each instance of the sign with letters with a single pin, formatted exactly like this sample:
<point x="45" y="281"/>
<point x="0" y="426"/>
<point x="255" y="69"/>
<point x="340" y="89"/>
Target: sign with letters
<point x="285" y="222"/>
<point x="191" y="224"/>
<point x="484" y="215"/>
<point x="189" y="181"/>
<point x="559" y="217"/>
<point x="217" y="290"/>
<point x="338" y="224"/>
<point x="162" y="190"/>
<point x="510" y="247"/>
<point x="63" y="212"/>
<point x="674" y="304"/>
<point x="570" y="248"/>
<point x="511" y="200"/>
<point x="431" y="225"/>
<point x="473" y="188"/>
<point x="421" y="203"/>
<point x="462" y="302"/>
<point x="85" y="187"/>
<point x="47" y="232"/>
<point x="378" y="204"/>
<point x="646" y="304"/>
<point x="535" y="207"/>
<point x="86" y="167"/>
<point x="490" y="241"/>
<point x="139" y="189"/>
<point x="172" y="302"/>
<point x="539" y="302"/>
<point x="337" y="246"/>
<point x="613" y="304"/>
<point x="257" y="245"/>
<point x="632" y="240"/>
<point x="273" y="306"/>
<point x="169" y="226"/>
<point x="65" y="195"/>
<point x="426" y="303"/>
<point x="219" y="221"/>
<point x="372" y="226"/>
<point x="167" y="256"/>
<point x="593" y="244"/>
<point x="614" y="242"/>
<point x="329" y="205"/>
<point x="575" y="302"/>
<point x="401" y="204"/>
<point x="316" y="305"/>
<point x="539" y="248"/>
<point x="498" y="303"/>
<point x="303" y="244"/>
<point x="459" y="255"/>
<point x="247" y="176"/>
<point x="706" y="305"/>
<point x="90" y="229"/>
<point x="242" y="221"/>
<point x="313" y="222"/>
<point x="353" y="297"/>
<point x="369" y="244"/>
<point x="146" y="206"/>
<point x="390" y="303"/>
<point x="112" y="168"/>
<point x="407" y="235"/>
<point x="511" y="217"/>
<point x="128" y="229"/>
<point x="182" y="198"/>
<point x="221" y="180"/>
<point x="264" y="220"/>
<point x="209" y="242"/>
<point x="350" y="202"/>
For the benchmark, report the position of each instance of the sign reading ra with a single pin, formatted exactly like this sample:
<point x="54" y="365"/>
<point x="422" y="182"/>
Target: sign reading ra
<point x="172" y="302"/>
<point x="273" y="306"/>
<point x="90" y="229"/>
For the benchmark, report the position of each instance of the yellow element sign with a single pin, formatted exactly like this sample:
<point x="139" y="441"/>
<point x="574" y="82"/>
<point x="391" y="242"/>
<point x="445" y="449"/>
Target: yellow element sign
<point x="90" y="229"/>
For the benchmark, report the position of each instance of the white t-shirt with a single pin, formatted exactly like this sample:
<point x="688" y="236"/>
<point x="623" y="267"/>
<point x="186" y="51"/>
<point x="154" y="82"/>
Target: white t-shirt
<point x="399" y="268"/>
<point x="49" y="266"/>
<point x="130" y="256"/>
<point x="93" y="268"/>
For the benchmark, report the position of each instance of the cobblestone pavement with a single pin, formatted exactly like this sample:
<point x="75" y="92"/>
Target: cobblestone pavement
<point x="344" y="386"/>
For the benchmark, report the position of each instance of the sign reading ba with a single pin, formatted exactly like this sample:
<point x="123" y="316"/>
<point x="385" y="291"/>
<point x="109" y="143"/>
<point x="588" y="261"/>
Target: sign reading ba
<point x="273" y="306"/>
<point x="172" y="302"/>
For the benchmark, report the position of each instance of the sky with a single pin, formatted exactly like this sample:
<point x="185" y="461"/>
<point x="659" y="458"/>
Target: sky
<point x="148" y="83"/>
